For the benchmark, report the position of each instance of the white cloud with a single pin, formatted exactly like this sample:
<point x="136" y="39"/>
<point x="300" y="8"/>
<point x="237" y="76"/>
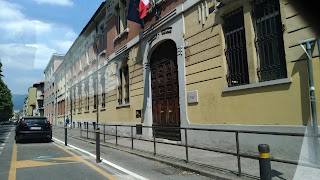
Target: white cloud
<point x="26" y="45"/>
<point x="25" y="56"/>
<point x="55" y="2"/>
<point x="70" y="35"/>
<point x="42" y="55"/>
<point x="10" y="11"/>
<point x="62" y="44"/>
<point x="29" y="43"/>
<point x="16" y="25"/>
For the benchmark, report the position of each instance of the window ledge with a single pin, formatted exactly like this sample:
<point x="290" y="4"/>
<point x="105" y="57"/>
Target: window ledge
<point x="121" y="34"/>
<point x="86" y="112"/>
<point x="103" y="109"/>
<point x="260" y="84"/>
<point x="95" y="110"/>
<point x="122" y="105"/>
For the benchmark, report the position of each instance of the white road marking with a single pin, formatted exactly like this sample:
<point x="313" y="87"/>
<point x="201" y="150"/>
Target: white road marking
<point x="2" y="146"/>
<point x="104" y="161"/>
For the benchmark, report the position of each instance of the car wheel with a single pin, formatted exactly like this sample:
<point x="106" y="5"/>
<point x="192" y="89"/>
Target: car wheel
<point x="48" y="140"/>
<point x="17" y="140"/>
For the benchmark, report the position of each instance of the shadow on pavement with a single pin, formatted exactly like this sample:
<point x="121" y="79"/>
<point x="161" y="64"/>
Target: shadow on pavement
<point x="34" y="141"/>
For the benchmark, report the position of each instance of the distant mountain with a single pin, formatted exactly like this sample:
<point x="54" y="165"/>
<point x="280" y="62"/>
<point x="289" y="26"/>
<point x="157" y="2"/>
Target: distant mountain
<point x="18" y="100"/>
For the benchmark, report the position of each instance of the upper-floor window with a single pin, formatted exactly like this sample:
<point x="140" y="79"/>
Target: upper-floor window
<point x="80" y="97"/>
<point x="124" y="14"/>
<point x="269" y="40"/>
<point x="235" y="51"/>
<point x="103" y="38"/>
<point x="121" y="10"/>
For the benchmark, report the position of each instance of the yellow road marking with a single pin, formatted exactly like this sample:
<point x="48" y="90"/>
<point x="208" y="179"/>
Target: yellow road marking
<point x="12" y="172"/>
<point x="33" y="163"/>
<point x="88" y="164"/>
<point x="61" y="159"/>
<point x="41" y="162"/>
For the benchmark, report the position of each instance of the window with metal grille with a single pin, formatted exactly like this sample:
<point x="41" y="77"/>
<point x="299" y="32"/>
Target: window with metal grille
<point x="87" y="95"/>
<point x="235" y="51"/>
<point x="123" y="84"/>
<point x="269" y="40"/>
<point x="95" y="96"/>
<point x="74" y="99"/>
<point x="103" y="93"/>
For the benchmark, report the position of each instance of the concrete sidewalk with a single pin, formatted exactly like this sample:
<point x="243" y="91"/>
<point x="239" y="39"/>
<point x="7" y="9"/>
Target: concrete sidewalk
<point x="207" y="163"/>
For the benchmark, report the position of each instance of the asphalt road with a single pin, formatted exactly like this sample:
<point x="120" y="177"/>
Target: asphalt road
<point x="5" y="150"/>
<point x="131" y="163"/>
<point x="33" y="160"/>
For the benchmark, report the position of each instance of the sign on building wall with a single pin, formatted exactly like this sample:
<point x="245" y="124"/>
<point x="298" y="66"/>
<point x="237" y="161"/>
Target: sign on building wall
<point x="193" y="97"/>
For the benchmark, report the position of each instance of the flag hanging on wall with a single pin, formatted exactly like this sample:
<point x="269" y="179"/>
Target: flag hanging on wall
<point x="143" y="8"/>
<point x="133" y="12"/>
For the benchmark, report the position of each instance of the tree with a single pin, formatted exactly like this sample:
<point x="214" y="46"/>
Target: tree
<point x="6" y="105"/>
<point x="1" y="69"/>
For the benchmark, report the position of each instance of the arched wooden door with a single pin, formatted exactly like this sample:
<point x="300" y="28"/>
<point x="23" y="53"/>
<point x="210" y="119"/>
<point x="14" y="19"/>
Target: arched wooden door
<point x="165" y="91"/>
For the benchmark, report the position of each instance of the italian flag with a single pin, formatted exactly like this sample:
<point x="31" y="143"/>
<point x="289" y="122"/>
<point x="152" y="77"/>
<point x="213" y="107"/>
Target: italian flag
<point x="143" y="7"/>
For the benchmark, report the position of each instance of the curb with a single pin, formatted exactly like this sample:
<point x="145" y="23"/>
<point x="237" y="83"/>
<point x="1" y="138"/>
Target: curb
<point x="177" y="163"/>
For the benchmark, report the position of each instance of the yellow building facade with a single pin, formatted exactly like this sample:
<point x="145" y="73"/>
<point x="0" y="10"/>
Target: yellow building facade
<point x="236" y="65"/>
<point x="278" y="101"/>
<point x="32" y="99"/>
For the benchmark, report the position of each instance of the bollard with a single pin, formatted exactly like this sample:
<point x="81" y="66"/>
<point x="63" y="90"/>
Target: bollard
<point x="87" y="130"/>
<point x="94" y="125"/>
<point x="264" y="162"/>
<point x="98" y="145"/>
<point x="65" y="135"/>
<point x="80" y="130"/>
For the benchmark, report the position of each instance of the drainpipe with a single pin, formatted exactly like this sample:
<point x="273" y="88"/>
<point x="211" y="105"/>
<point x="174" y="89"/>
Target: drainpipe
<point x="97" y="74"/>
<point x="318" y="41"/>
<point x="65" y="93"/>
<point x="312" y="92"/>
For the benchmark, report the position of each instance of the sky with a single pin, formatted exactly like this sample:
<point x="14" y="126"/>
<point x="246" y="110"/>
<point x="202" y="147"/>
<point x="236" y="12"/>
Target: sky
<point x="32" y="30"/>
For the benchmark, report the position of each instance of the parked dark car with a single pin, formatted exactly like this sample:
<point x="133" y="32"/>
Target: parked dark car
<point x="33" y="127"/>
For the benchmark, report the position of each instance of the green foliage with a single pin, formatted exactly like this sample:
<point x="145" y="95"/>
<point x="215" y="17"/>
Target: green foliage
<point x="1" y="69"/>
<point x="6" y="105"/>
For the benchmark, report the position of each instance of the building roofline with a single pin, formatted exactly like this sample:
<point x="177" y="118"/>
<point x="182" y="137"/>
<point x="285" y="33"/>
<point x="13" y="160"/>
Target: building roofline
<point x="38" y="83"/>
<point x="92" y="20"/>
<point x="51" y="59"/>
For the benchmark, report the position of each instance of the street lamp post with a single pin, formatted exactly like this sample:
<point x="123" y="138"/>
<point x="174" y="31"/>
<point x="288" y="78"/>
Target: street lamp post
<point x="312" y="94"/>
